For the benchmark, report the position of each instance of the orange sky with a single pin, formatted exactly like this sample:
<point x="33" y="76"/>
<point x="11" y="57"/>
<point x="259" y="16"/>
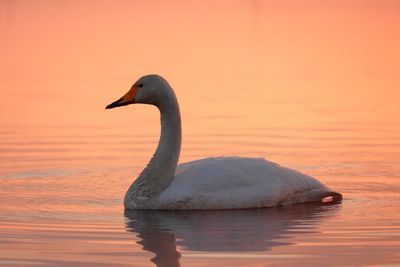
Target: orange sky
<point x="77" y="56"/>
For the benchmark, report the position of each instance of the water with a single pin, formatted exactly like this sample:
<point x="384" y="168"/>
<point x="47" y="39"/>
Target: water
<point x="316" y="104"/>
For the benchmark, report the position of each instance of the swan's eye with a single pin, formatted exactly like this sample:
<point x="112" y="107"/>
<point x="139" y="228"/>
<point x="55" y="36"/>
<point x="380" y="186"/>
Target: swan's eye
<point x="140" y="85"/>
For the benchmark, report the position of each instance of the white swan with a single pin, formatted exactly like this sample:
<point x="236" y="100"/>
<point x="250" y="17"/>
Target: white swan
<point x="211" y="183"/>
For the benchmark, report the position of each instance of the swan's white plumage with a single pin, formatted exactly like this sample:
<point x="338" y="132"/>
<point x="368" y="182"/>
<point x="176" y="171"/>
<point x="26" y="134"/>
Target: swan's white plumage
<point x="211" y="183"/>
<point x="235" y="182"/>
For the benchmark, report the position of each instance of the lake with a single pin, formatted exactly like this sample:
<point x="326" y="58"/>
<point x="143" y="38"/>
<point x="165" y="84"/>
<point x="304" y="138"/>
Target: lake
<point x="312" y="86"/>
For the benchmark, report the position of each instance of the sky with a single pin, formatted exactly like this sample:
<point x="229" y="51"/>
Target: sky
<point x="67" y="56"/>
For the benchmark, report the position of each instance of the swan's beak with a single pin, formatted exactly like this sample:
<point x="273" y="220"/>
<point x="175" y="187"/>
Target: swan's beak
<point x="128" y="98"/>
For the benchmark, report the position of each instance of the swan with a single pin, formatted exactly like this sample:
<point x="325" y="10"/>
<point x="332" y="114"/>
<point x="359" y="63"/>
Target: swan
<point x="210" y="183"/>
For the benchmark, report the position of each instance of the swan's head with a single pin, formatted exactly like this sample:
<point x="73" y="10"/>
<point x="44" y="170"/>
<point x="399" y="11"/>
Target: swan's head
<point x="150" y="89"/>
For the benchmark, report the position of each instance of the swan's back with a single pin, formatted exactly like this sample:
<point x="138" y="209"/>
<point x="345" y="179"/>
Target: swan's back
<point x="234" y="182"/>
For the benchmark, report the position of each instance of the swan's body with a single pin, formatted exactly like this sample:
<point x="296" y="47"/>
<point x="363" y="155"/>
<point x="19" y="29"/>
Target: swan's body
<point x="211" y="183"/>
<point x="234" y="182"/>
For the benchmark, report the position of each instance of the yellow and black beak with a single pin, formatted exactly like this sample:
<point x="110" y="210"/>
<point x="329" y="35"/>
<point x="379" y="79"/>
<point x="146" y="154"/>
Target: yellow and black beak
<point x="128" y="98"/>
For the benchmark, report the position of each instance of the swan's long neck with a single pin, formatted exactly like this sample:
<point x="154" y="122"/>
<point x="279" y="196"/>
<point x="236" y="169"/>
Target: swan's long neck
<point x="161" y="169"/>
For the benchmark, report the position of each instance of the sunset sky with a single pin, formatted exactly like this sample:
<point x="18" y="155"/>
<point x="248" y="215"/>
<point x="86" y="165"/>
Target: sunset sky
<point x="68" y="56"/>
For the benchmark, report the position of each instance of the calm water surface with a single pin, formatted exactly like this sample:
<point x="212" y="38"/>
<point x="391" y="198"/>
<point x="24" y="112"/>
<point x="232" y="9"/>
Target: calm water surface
<point x="61" y="201"/>
<point x="253" y="79"/>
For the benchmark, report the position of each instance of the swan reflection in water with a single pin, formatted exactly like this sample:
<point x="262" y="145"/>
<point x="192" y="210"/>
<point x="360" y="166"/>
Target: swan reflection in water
<point x="251" y="230"/>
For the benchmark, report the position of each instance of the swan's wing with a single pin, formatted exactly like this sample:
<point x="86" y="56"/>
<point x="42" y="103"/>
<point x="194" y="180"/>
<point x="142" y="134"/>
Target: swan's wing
<point x="235" y="182"/>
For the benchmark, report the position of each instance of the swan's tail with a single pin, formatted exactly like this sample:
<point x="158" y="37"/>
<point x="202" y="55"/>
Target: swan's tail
<point x="320" y="195"/>
<point x="331" y="197"/>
